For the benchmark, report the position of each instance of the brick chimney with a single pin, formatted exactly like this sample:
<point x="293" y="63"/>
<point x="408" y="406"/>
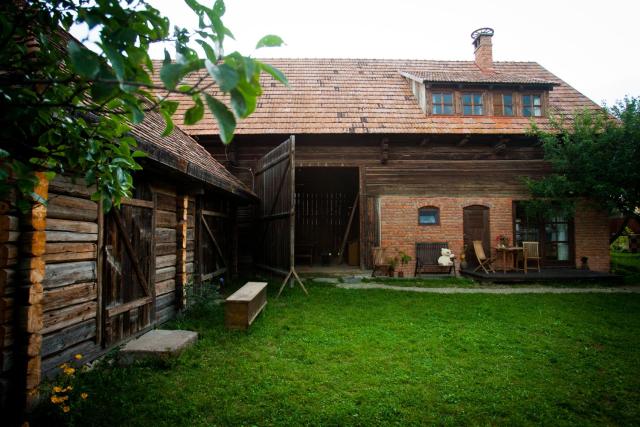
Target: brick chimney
<point x="483" y="49"/>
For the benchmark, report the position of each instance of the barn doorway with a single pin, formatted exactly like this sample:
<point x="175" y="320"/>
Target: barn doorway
<point x="327" y="217"/>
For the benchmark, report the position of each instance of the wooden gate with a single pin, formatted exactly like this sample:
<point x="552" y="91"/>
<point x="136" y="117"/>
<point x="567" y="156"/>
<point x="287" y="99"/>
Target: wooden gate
<point x="129" y="266"/>
<point x="275" y="186"/>
<point x="476" y="227"/>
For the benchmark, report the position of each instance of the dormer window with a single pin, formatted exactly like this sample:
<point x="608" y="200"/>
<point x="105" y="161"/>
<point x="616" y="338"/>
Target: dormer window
<point x="442" y="103"/>
<point x="532" y="105"/>
<point x="472" y="104"/>
<point x="503" y="104"/>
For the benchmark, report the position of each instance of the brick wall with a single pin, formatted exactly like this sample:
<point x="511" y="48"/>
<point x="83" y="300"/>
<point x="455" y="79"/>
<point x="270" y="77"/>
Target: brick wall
<point x="592" y="237"/>
<point x="400" y="231"/>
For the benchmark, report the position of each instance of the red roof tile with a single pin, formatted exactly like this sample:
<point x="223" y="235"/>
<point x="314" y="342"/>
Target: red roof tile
<point x="328" y="96"/>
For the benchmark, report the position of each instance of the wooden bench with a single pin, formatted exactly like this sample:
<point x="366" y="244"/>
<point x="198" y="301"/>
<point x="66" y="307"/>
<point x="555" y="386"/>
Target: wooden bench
<point x="427" y="255"/>
<point x="244" y="305"/>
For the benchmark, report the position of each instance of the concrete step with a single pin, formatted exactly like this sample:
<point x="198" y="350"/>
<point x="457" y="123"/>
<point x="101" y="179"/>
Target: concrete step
<point x="158" y="343"/>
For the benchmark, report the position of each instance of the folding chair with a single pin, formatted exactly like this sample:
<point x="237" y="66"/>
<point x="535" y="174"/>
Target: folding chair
<point x="483" y="260"/>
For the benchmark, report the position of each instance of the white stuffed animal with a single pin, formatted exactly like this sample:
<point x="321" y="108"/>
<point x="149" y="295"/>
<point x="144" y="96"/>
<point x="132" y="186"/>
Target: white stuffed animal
<point x="446" y="257"/>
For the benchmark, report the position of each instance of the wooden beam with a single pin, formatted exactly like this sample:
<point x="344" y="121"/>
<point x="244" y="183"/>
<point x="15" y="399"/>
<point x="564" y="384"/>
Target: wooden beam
<point x="384" y="151"/>
<point x="214" y="213"/>
<point x="346" y="234"/>
<point x="138" y="203"/>
<point x="99" y="273"/>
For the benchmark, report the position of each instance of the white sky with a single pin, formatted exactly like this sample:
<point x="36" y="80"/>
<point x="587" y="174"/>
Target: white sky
<point x="590" y="44"/>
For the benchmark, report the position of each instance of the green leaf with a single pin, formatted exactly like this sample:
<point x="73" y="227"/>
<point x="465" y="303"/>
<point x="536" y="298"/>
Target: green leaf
<point x="270" y="41"/>
<point x="208" y="50"/>
<point x="116" y="60"/>
<point x="243" y="104"/>
<point x="171" y="74"/>
<point x="194" y="114"/>
<point x="225" y="118"/>
<point x="274" y="72"/>
<point x="169" y="106"/>
<point x="83" y="61"/>
<point x="168" y="121"/>
<point x="226" y="77"/>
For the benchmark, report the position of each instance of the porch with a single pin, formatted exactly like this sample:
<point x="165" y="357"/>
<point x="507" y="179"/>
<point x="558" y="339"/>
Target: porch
<point x="544" y="275"/>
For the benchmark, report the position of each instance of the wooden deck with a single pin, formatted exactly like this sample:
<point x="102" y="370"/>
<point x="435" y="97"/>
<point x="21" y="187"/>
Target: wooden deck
<point x="545" y="275"/>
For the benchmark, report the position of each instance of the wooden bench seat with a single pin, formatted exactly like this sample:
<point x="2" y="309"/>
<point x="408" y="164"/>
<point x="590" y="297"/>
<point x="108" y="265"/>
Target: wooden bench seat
<point x="244" y="305"/>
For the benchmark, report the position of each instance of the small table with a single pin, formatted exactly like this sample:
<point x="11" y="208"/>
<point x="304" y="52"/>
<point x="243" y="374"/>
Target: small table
<point x="513" y="252"/>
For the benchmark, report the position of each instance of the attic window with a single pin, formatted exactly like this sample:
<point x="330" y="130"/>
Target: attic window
<point x="503" y="104"/>
<point x="442" y="103"/>
<point x="531" y="105"/>
<point x="472" y="104"/>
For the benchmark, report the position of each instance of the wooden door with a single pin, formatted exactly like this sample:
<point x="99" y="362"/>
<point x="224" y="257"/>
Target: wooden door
<point x="129" y="266"/>
<point x="275" y="186"/>
<point x="476" y="227"/>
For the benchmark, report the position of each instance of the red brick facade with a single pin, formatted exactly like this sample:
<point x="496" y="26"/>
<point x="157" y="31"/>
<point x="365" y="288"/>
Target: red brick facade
<point x="399" y="228"/>
<point x="592" y="237"/>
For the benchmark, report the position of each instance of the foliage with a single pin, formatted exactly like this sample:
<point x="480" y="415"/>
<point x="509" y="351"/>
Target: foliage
<point x="404" y="258"/>
<point x="65" y="396"/>
<point x="401" y="358"/>
<point x="69" y="109"/>
<point x="594" y="156"/>
<point x="627" y="265"/>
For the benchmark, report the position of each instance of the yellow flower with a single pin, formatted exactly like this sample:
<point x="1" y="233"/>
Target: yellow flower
<point x="84" y="396"/>
<point x="57" y="389"/>
<point x="66" y="409"/>
<point x="63" y="398"/>
<point x="69" y="371"/>
<point x="68" y="388"/>
<point x="63" y="366"/>
<point x="55" y="399"/>
<point x="78" y="356"/>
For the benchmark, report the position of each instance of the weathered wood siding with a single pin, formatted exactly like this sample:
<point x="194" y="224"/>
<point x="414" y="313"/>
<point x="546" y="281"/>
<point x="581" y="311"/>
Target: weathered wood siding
<point x="9" y="236"/>
<point x="70" y="283"/>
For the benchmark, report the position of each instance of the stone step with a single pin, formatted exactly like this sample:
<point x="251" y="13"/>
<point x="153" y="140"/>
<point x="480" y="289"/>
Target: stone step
<point x="158" y="343"/>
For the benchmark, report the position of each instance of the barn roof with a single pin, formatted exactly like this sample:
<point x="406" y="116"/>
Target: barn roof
<point x="181" y="152"/>
<point x="335" y="96"/>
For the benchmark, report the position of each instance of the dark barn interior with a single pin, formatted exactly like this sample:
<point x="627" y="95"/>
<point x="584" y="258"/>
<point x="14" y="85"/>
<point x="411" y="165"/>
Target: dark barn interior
<point x="325" y="200"/>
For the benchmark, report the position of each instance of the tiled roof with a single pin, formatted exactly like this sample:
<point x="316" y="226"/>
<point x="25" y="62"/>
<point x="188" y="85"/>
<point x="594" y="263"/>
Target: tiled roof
<point x="181" y="152"/>
<point x="474" y="77"/>
<point x="334" y="96"/>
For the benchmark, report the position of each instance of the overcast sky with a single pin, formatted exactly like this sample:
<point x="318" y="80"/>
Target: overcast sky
<point x="593" y="45"/>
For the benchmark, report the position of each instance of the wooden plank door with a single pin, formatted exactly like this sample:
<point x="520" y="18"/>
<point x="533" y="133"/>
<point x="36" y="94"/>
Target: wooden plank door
<point x="476" y="227"/>
<point x="214" y="229"/>
<point x="275" y="185"/>
<point x="128" y="297"/>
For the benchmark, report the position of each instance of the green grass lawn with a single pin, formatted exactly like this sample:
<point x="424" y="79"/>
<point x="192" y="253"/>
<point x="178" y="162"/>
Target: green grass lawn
<point x="355" y="357"/>
<point x="627" y="265"/>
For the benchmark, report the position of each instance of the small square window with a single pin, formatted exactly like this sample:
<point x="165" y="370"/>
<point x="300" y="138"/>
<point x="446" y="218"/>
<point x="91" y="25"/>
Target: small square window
<point x="428" y="216"/>
<point x="531" y="105"/>
<point x="442" y="103"/>
<point x="503" y="104"/>
<point x="472" y="104"/>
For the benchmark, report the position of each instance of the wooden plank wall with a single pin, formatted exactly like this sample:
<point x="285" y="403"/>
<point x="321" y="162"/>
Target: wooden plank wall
<point x="70" y="282"/>
<point x="9" y="236"/>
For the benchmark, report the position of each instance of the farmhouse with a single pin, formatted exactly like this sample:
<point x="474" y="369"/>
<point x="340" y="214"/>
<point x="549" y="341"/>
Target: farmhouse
<point x="415" y="150"/>
<point x="356" y="154"/>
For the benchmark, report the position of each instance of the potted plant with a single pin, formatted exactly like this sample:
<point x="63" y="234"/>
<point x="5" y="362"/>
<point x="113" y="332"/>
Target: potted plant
<point x="404" y="260"/>
<point x="502" y="241"/>
<point x="463" y="257"/>
<point x="393" y="262"/>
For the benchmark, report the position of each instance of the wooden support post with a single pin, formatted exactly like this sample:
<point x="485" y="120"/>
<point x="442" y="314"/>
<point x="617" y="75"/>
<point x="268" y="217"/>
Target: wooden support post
<point x="30" y="295"/>
<point x="384" y="151"/>
<point x="181" y="254"/>
<point x="99" y="273"/>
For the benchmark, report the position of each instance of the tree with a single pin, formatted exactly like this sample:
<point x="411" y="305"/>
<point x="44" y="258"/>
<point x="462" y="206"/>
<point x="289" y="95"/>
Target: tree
<point x="596" y="157"/>
<point x="69" y="109"/>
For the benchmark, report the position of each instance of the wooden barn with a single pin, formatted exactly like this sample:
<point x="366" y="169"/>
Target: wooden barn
<point x="416" y="151"/>
<point x="77" y="280"/>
